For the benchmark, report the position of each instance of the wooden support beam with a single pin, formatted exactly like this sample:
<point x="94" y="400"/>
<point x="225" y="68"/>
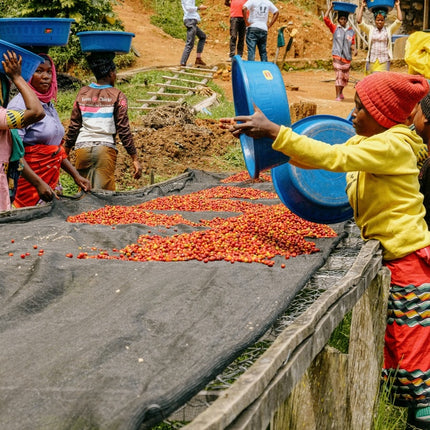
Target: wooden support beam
<point x="253" y="399"/>
<point x="178" y="87"/>
<point x="197" y="75"/>
<point x="189" y="81"/>
<point x="164" y="94"/>
<point x="158" y="101"/>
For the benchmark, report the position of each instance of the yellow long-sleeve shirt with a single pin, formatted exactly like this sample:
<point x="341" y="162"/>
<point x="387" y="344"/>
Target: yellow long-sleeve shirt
<point x="382" y="182"/>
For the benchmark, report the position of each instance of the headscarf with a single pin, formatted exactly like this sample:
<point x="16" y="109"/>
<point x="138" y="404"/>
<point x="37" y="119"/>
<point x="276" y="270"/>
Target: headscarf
<point x="390" y="97"/>
<point x="101" y="63"/>
<point x="51" y="94"/>
<point x="380" y="11"/>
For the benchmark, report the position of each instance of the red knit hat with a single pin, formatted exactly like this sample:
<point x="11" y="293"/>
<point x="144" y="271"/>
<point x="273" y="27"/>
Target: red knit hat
<point x="390" y="97"/>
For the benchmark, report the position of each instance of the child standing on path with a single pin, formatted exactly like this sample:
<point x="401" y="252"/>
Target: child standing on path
<point x="381" y="162"/>
<point x="99" y="114"/>
<point x="257" y="27"/>
<point x="380" y="49"/>
<point x="343" y="49"/>
<point x="237" y="27"/>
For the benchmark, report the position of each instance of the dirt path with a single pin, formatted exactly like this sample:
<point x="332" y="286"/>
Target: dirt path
<point x="157" y="49"/>
<point x="158" y="149"/>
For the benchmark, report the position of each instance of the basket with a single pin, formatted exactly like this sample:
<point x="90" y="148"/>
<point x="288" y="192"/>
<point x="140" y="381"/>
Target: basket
<point x="105" y="41"/>
<point x="36" y="31"/>
<point x="30" y="61"/>
<point x="341" y="6"/>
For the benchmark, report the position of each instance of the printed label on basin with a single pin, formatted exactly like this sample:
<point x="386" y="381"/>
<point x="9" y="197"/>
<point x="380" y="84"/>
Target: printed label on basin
<point x="268" y="75"/>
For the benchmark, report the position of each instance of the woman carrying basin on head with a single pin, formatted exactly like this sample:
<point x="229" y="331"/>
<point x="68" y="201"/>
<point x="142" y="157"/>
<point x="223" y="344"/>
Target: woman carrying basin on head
<point x="42" y="140"/>
<point x="380" y="49"/>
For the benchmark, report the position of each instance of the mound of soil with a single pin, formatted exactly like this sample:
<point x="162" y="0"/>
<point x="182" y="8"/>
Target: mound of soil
<point x="169" y="140"/>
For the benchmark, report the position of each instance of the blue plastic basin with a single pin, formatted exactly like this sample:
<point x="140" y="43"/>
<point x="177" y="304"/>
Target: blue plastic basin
<point x="316" y="195"/>
<point x="30" y="61"/>
<point x="36" y="31"/>
<point x="388" y="4"/>
<point x="394" y="37"/>
<point x="261" y="83"/>
<point x="105" y="41"/>
<point x="344" y="6"/>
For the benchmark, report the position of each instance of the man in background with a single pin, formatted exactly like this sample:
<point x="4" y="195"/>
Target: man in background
<point x="257" y="27"/>
<point x="237" y="27"/>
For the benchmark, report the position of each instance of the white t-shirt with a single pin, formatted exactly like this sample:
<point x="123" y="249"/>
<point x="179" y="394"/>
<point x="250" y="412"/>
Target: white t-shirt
<point x="259" y="12"/>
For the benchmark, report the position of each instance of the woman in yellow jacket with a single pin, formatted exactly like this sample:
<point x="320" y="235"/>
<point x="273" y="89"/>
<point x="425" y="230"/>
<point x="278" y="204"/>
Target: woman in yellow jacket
<point x="381" y="162"/>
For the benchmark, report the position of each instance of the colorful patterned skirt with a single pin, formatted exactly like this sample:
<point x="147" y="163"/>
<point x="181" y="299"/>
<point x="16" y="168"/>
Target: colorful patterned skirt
<point x="407" y="338"/>
<point x="342" y="72"/>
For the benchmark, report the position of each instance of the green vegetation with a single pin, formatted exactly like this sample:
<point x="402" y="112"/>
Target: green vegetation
<point x="168" y="16"/>
<point x="340" y="337"/>
<point x="88" y="15"/>
<point x="388" y="416"/>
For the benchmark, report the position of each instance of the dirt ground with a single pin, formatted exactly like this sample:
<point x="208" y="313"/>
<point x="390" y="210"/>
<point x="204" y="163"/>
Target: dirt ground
<point x="181" y="141"/>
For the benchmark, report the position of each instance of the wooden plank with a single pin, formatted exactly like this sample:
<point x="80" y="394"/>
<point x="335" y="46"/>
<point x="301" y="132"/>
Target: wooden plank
<point x="257" y="393"/>
<point x="340" y="391"/>
<point x="178" y="87"/>
<point x="189" y="81"/>
<point x="160" y="91"/>
<point x="152" y="101"/>
<point x="365" y="354"/>
<point x="198" y="69"/>
<point x="312" y="404"/>
<point x="167" y="94"/>
<point x="197" y="75"/>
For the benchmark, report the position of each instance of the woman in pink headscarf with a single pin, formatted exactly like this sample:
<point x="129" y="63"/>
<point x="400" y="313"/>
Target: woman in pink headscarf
<point x="42" y="140"/>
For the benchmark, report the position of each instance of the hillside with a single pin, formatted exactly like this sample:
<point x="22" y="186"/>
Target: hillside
<point x="156" y="48"/>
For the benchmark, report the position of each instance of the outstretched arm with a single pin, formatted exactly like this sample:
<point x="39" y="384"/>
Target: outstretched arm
<point x="256" y="125"/>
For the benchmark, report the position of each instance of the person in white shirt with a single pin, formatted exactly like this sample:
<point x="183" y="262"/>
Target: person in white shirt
<point x="256" y="15"/>
<point x="191" y="19"/>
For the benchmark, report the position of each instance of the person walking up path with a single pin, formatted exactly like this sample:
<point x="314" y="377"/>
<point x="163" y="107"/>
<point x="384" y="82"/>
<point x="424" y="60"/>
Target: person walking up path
<point x="380" y="51"/>
<point x="343" y="49"/>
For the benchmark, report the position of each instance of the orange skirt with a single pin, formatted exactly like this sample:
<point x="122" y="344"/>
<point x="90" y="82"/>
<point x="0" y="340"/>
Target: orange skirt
<point x="45" y="160"/>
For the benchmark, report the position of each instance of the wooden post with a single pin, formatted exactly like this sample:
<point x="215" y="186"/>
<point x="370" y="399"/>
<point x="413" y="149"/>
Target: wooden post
<point x="302" y="110"/>
<point x="366" y="344"/>
<point x="340" y="391"/>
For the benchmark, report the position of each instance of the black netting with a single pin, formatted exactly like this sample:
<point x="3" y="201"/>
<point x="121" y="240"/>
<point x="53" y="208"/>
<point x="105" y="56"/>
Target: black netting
<point x="109" y="344"/>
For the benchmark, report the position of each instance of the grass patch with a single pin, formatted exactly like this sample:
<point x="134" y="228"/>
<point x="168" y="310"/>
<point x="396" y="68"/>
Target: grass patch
<point x="388" y="416"/>
<point x="339" y="339"/>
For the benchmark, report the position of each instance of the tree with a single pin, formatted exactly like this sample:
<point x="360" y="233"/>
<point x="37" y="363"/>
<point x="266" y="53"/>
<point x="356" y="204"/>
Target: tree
<point x="89" y="15"/>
